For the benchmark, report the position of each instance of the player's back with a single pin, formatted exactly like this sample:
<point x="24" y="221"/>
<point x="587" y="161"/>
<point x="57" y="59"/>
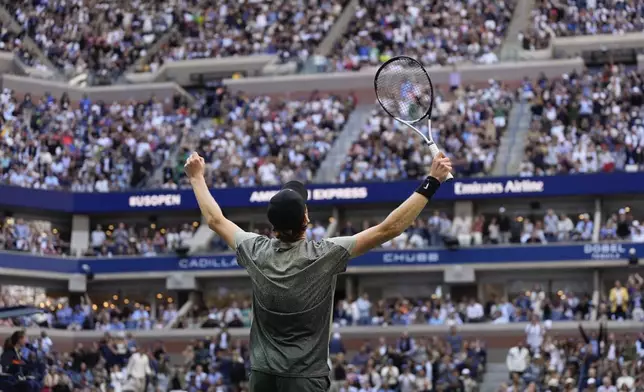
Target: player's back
<point x="293" y="287"/>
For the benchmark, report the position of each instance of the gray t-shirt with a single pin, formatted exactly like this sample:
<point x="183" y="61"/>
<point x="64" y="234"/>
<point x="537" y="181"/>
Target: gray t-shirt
<point x="293" y="288"/>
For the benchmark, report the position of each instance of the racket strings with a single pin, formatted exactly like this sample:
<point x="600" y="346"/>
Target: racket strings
<point x="404" y="89"/>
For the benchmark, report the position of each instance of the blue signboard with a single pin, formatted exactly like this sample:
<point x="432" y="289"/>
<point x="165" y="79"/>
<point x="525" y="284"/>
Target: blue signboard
<point x="609" y="252"/>
<point x="389" y="192"/>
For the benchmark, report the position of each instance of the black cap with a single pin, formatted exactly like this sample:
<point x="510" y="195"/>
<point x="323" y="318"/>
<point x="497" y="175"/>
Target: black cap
<point x="287" y="208"/>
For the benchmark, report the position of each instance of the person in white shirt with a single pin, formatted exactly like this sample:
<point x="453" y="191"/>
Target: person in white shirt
<point x="363" y="310"/>
<point x="637" y="232"/>
<point x="232" y="313"/>
<point x="169" y="314"/>
<point x="474" y="311"/>
<point x="469" y="384"/>
<point x="138" y="367"/>
<point x="534" y="334"/>
<point x="199" y="376"/>
<point x="461" y="229"/>
<point x="318" y="232"/>
<point x="564" y="228"/>
<point x="117" y="379"/>
<point x="407" y="381"/>
<point x="625" y="381"/>
<point x="45" y="342"/>
<point x="185" y="234"/>
<point x="518" y="359"/>
<point x="607" y="386"/>
<point x="98" y="237"/>
<point x="389" y="375"/>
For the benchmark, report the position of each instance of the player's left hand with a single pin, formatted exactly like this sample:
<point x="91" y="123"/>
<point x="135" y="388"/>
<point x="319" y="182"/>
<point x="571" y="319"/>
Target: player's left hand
<point x="194" y="166"/>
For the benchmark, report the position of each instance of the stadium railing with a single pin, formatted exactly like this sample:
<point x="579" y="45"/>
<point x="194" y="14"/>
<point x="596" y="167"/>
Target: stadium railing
<point x="495" y="336"/>
<point x="292" y="84"/>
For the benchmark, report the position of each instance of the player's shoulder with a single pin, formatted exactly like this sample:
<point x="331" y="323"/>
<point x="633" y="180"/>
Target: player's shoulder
<point x="346" y="242"/>
<point x="244" y="237"/>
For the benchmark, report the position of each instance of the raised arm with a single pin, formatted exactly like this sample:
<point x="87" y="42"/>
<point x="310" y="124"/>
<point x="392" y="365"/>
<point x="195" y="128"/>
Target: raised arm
<point x="403" y="216"/>
<point x="217" y="222"/>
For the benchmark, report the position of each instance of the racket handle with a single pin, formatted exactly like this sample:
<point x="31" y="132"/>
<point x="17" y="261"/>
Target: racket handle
<point x="433" y="150"/>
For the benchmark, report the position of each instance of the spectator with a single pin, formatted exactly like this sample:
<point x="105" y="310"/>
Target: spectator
<point x="517" y="359"/>
<point x="390" y="375"/>
<point x="618" y="299"/>
<point x="469" y="384"/>
<point x="534" y="334"/>
<point x="335" y="345"/>
<point x="363" y="310"/>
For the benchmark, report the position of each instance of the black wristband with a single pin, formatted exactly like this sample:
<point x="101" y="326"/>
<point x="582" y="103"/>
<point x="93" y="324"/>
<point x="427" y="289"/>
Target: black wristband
<point x="428" y="187"/>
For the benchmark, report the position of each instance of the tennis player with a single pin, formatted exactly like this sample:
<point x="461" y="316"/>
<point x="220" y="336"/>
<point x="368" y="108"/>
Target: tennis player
<point x="294" y="279"/>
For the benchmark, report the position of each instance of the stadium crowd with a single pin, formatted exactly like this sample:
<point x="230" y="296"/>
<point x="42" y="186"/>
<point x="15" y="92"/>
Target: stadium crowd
<point x="408" y="364"/>
<point x="13" y="42"/>
<point x="127" y="142"/>
<point x="46" y="143"/>
<point x="575" y="18"/>
<point x="493" y="229"/>
<point x="596" y="361"/>
<point x="152" y="239"/>
<point x="444" y="363"/>
<point x="435" y="32"/>
<point x="262" y="141"/>
<point x="467" y="127"/>
<point x="101" y="38"/>
<point x="117" y="363"/>
<point x="621" y="302"/>
<point x="289" y="29"/>
<point x="585" y="122"/>
<point x="146" y="240"/>
<point x="624" y="301"/>
<point x="33" y="236"/>
<point x="220" y="364"/>
<point x="112" y="240"/>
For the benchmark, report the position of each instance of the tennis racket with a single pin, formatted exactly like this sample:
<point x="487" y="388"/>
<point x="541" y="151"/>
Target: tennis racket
<point x="405" y="92"/>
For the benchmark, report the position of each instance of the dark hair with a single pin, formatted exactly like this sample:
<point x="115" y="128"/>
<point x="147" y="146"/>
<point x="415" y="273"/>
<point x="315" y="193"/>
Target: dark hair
<point x="290" y="235"/>
<point x="11" y="341"/>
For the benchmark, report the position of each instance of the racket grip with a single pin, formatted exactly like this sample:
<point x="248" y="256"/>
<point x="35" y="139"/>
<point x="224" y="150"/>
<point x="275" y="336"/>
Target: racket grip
<point x="433" y="150"/>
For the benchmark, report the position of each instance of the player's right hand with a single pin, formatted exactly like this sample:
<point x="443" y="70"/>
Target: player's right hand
<point x="441" y="167"/>
<point x="194" y="166"/>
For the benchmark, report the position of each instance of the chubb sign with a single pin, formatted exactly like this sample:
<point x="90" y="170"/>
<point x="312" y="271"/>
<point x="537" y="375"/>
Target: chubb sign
<point x="498" y="187"/>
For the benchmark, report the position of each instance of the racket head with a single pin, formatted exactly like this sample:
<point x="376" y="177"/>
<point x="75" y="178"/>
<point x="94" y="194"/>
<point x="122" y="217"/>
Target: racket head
<point x="404" y="89"/>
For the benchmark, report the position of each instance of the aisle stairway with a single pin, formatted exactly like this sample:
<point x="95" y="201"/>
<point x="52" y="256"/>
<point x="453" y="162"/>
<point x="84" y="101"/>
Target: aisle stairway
<point x="520" y="22"/>
<point x="496" y="373"/>
<point x="332" y="164"/>
<point x="513" y="142"/>
<point x="328" y="43"/>
<point x="188" y="140"/>
<point x="12" y="25"/>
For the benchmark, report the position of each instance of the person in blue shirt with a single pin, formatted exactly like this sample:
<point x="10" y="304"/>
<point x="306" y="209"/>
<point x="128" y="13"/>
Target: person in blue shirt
<point x="335" y="344"/>
<point x="454" y="340"/>
<point x="64" y="316"/>
<point x="78" y="317"/>
<point x="595" y="339"/>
